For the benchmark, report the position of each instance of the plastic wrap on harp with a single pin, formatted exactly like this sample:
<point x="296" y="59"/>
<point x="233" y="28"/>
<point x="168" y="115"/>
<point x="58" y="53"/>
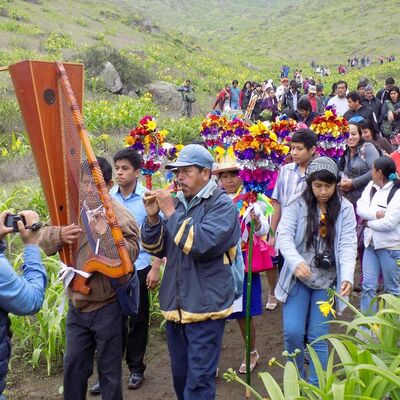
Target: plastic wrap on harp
<point x="50" y="98"/>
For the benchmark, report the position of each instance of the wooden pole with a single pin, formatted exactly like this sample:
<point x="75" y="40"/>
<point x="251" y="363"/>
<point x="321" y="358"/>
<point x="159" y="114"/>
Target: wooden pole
<point x="248" y="300"/>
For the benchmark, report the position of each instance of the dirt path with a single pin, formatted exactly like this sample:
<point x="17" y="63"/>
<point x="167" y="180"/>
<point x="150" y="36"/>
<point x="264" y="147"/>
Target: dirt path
<point x="28" y="385"/>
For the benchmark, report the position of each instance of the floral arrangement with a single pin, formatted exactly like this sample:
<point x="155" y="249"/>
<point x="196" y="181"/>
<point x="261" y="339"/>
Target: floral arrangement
<point x="211" y="129"/>
<point x="332" y="132"/>
<point x="283" y="128"/>
<point x="148" y="141"/>
<point x="259" y="155"/>
<point x="218" y="130"/>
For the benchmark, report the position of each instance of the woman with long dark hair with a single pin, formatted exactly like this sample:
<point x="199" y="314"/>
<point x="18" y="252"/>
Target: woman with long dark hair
<point x="379" y="206"/>
<point x="356" y="164"/>
<point x="317" y="238"/>
<point x="389" y="114"/>
<point x="369" y="134"/>
<point x="244" y="96"/>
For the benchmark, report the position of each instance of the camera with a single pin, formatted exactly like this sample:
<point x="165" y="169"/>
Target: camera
<point x="12" y="220"/>
<point x="325" y="260"/>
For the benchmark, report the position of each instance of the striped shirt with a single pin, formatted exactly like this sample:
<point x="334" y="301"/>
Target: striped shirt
<point x="290" y="184"/>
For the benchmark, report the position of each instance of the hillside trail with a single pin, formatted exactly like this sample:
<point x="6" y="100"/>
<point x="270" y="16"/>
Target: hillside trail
<point x="26" y="384"/>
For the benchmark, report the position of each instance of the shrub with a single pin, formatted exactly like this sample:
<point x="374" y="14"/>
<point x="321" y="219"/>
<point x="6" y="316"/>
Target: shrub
<point x="132" y="72"/>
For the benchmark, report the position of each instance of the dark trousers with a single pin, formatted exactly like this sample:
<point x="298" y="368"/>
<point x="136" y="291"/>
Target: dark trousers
<point x="136" y="329"/>
<point x="86" y="332"/>
<point x="194" y="350"/>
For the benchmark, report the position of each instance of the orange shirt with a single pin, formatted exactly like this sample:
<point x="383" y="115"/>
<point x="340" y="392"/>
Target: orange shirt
<point x="396" y="158"/>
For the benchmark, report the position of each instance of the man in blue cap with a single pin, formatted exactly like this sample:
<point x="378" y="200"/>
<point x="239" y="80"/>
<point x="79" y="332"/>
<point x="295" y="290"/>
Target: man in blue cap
<point x="198" y="233"/>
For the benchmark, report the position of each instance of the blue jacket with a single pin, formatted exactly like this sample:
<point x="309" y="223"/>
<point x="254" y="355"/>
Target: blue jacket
<point x="197" y="284"/>
<point x="292" y="233"/>
<point x="21" y="295"/>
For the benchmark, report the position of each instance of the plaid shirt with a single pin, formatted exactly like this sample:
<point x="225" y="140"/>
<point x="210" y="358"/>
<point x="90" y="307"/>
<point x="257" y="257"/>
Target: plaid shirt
<point x="290" y="184"/>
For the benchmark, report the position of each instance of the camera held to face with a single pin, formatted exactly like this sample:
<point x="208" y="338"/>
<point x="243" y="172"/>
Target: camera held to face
<point x="325" y="260"/>
<point x="11" y="221"/>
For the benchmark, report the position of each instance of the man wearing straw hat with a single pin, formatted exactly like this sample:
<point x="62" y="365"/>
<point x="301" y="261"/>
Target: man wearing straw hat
<point x="198" y="234"/>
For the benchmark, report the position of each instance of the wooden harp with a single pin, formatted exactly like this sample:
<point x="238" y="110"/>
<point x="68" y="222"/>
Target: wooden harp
<point x="50" y="97"/>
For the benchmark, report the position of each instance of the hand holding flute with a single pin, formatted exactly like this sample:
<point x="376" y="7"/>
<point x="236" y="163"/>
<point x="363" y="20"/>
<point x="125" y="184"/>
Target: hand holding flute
<point x="156" y="201"/>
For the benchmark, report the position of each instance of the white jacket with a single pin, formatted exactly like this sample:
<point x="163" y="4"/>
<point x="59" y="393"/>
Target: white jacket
<point x="384" y="232"/>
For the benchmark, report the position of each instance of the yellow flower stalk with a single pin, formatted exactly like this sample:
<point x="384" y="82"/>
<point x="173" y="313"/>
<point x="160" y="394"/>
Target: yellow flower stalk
<point x="326" y="307"/>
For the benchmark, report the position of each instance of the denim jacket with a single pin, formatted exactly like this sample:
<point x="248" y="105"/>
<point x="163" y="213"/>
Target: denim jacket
<point x="21" y="295"/>
<point x="292" y="233"/>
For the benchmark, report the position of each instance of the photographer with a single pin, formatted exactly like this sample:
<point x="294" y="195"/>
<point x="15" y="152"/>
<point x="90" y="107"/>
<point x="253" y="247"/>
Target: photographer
<point x="21" y="295"/>
<point x="317" y="237"/>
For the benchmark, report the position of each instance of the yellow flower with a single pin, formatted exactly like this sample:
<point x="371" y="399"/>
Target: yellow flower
<point x="326" y="307"/>
<point x="163" y="133"/>
<point x="4" y="152"/>
<point x="151" y="125"/>
<point x="129" y="140"/>
<point x="375" y="329"/>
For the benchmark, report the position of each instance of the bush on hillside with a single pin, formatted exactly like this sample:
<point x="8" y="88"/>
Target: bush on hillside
<point x="132" y="73"/>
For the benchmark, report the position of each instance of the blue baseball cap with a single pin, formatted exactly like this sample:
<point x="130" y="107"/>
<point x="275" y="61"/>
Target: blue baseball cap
<point x="193" y="154"/>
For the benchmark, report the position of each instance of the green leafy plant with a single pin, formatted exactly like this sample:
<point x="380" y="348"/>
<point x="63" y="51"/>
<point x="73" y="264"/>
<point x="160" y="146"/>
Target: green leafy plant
<point x="368" y="364"/>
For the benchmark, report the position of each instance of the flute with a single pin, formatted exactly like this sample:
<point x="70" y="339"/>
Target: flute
<point x="152" y="196"/>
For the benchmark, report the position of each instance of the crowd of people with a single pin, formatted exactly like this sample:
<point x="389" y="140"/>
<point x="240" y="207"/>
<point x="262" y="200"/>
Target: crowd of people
<point x="325" y="214"/>
<point x="304" y="99"/>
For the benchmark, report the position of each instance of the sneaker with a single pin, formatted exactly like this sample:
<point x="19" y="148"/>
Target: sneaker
<point x="135" y="380"/>
<point x="95" y="389"/>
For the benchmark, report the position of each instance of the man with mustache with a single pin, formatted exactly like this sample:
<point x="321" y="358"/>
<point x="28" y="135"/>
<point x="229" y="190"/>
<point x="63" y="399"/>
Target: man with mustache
<point x="198" y="233"/>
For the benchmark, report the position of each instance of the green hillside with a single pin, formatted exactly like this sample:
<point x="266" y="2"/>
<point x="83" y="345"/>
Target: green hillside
<point x="291" y="30"/>
<point x="209" y="41"/>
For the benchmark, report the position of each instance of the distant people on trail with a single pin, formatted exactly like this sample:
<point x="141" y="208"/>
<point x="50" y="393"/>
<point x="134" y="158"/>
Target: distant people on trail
<point x="235" y="93"/>
<point x="188" y="98"/>
<point x="316" y="102"/>
<point x="390" y="112"/>
<point x="383" y="94"/>
<point x="223" y="99"/>
<point x="254" y="107"/>
<point x="342" y="69"/>
<point x="244" y="96"/>
<point x="290" y="98"/>
<point x="282" y="88"/>
<point x="285" y="69"/>
<point x="269" y="105"/>
<point x="339" y="101"/>
<point x="373" y="103"/>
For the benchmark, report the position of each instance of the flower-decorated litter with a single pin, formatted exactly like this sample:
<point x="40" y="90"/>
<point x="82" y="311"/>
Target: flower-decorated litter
<point x="148" y="141"/>
<point x="332" y="132"/>
<point x="259" y="155"/>
<point x="284" y="127"/>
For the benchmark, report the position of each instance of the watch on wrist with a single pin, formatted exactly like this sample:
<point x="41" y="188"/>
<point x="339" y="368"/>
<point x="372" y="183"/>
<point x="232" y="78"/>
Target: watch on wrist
<point x="3" y="247"/>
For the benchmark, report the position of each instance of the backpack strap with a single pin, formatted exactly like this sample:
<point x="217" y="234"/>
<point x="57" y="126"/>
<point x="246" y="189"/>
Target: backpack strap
<point x="392" y="192"/>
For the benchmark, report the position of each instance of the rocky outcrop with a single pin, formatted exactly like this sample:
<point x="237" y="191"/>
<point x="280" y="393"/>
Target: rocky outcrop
<point x="111" y="78"/>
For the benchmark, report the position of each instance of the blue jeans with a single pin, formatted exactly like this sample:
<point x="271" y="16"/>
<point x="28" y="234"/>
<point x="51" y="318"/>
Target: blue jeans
<point x="302" y="317"/>
<point x="375" y="262"/>
<point x="194" y="350"/>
